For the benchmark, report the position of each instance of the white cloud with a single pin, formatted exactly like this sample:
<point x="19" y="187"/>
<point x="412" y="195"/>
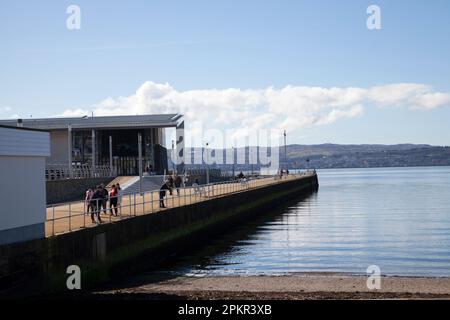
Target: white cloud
<point x="5" y="109"/>
<point x="396" y="94"/>
<point x="413" y="95"/>
<point x="5" y="113"/>
<point x="291" y="107"/>
<point x="431" y="100"/>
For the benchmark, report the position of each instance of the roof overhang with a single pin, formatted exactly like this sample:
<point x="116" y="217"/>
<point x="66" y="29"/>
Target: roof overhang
<point x="101" y="123"/>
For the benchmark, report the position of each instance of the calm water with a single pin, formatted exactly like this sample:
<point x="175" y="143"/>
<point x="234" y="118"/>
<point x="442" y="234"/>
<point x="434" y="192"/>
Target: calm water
<point x="396" y="218"/>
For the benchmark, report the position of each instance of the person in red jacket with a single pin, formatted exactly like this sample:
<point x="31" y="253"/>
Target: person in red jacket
<point x="113" y="200"/>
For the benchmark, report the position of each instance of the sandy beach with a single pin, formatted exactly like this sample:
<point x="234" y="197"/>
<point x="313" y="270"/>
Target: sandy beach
<point x="292" y="287"/>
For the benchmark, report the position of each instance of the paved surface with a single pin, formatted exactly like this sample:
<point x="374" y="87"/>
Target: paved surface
<point x="70" y="216"/>
<point x="148" y="183"/>
<point x="122" y="180"/>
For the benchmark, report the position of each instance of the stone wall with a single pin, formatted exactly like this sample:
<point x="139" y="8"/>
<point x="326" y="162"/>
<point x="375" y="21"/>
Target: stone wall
<point x="59" y="191"/>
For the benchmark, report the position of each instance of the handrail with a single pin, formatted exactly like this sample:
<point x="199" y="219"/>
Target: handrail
<point x="61" y="171"/>
<point x="66" y="217"/>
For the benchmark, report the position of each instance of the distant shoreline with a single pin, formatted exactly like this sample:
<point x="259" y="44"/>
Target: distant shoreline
<point x="393" y="167"/>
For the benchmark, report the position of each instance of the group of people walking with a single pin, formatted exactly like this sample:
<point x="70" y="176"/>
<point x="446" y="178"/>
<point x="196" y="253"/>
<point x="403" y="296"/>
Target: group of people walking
<point x="100" y="200"/>
<point x="96" y="201"/>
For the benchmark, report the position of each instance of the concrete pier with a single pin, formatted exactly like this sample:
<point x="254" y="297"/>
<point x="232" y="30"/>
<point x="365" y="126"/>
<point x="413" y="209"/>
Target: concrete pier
<point x="141" y="241"/>
<point x="69" y="217"/>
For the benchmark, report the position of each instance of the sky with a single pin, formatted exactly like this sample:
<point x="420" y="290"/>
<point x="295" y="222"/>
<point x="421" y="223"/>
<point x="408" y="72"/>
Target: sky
<point x="312" y="68"/>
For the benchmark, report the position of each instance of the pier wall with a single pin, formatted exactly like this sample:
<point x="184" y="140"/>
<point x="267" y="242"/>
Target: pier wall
<point x="59" y="191"/>
<point x="130" y="245"/>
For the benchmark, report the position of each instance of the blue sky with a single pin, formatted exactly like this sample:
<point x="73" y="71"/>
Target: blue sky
<point x="197" y="46"/>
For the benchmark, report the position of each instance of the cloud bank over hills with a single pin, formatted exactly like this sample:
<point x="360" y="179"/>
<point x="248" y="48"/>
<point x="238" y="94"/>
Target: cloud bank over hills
<point x="290" y="107"/>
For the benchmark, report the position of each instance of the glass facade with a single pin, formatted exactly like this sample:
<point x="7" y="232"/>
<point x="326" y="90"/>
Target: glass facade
<point x="124" y="149"/>
<point x="82" y="146"/>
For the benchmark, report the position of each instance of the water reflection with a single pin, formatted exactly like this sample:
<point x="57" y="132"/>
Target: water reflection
<point x="398" y="219"/>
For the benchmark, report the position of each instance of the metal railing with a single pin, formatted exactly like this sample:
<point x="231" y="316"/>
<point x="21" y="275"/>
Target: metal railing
<point x="67" y="217"/>
<point x="61" y="171"/>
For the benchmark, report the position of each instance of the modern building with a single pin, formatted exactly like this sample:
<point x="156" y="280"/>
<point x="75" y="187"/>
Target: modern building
<point x="106" y="141"/>
<point x="23" y="154"/>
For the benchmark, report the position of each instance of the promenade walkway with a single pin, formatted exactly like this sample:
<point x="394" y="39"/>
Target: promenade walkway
<point x="68" y="217"/>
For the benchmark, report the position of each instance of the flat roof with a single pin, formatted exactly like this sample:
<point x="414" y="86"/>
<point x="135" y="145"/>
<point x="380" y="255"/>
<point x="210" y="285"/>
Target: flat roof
<point x="15" y="127"/>
<point x="109" y="122"/>
<point x="17" y="141"/>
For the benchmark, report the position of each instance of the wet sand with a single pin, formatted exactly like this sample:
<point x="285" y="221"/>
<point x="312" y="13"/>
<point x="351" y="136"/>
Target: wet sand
<point x="293" y="287"/>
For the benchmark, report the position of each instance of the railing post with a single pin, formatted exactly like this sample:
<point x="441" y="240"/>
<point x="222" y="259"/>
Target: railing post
<point x="97" y="210"/>
<point x="134" y="204"/>
<point x="129" y="204"/>
<point x="53" y="221"/>
<point x="70" y="217"/>
<point x="151" y="200"/>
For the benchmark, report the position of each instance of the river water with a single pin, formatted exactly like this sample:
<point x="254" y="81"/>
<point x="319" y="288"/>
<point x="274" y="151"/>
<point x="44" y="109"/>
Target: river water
<point x="395" y="218"/>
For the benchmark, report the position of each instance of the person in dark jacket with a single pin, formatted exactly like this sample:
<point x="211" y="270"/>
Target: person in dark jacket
<point x="113" y="200"/>
<point x="178" y="182"/>
<point x="170" y="184"/>
<point x="96" y="203"/>
<point x="105" y="198"/>
<point x="162" y="194"/>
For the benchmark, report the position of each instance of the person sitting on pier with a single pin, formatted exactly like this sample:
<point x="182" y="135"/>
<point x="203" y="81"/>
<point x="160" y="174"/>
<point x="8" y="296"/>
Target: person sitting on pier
<point x="242" y="179"/>
<point x="162" y="194"/>
<point x="96" y="203"/>
<point x="197" y="189"/>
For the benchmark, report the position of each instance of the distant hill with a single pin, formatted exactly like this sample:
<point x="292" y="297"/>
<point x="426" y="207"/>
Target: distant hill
<point x="364" y="156"/>
<point x="356" y="156"/>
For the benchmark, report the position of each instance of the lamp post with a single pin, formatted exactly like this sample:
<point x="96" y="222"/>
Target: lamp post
<point x="110" y="157"/>
<point x="173" y="157"/>
<point x="232" y="148"/>
<point x="207" y="164"/>
<point x="69" y="147"/>
<point x="140" y="161"/>
<point x="250" y="155"/>
<point x="94" y="152"/>
<point x="285" y="152"/>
